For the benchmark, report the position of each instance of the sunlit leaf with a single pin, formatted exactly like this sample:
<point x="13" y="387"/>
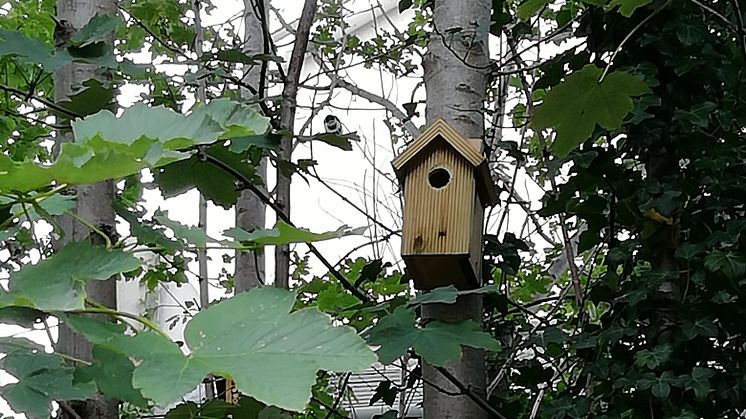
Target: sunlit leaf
<point x="271" y="354"/>
<point x="580" y="102"/>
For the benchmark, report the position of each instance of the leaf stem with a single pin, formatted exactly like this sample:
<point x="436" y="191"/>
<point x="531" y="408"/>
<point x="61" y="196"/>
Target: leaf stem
<point x="99" y="309"/>
<point x="629" y="36"/>
<point x="95" y="229"/>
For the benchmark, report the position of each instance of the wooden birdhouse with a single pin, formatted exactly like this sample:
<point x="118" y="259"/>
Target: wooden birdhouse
<point x="447" y="186"/>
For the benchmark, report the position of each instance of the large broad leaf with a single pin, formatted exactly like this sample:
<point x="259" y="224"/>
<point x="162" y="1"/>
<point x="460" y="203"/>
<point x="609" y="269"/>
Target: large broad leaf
<point x="85" y="46"/>
<point x="41" y="379"/>
<point x="111" y="147"/>
<point x="58" y="282"/>
<point x="437" y="342"/>
<point x="579" y="103"/>
<point x="14" y="43"/>
<point x="271" y="354"/>
<point x="284" y="233"/>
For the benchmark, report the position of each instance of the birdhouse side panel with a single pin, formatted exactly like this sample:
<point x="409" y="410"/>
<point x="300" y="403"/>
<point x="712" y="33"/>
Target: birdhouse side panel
<point x="477" y="239"/>
<point x="438" y="205"/>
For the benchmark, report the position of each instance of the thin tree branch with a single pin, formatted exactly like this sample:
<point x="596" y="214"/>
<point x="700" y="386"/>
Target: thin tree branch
<point x="567" y="242"/>
<point x="246" y="183"/>
<point x="27" y="96"/>
<point x="287" y="122"/>
<point x="156" y="38"/>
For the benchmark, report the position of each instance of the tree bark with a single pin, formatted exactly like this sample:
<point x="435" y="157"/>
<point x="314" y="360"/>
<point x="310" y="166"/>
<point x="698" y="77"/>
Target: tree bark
<point x="456" y="81"/>
<point x="287" y="124"/>
<point x="94" y="202"/>
<point x="250" y="210"/>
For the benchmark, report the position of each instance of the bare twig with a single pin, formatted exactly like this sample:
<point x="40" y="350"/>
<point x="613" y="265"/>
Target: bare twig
<point x="246" y="183"/>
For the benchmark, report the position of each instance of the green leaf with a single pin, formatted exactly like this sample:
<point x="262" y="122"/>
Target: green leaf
<point x="702" y="326"/>
<point x="57" y="283"/>
<point x="627" y="7"/>
<point x="530" y="7"/>
<point x="14" y="43"/>
<point x="653" y="359"/>
<point x="48" y="206"/>
<point x="579" y="103"/>
<point x="284" y="233"/>
<point x="699" y="382"/>
<point x="41" y="379"/>
<point x="97" y="29"/>
<point x="110" y="147"/>
<point x="91" y="99"/>
<point x="729" y="264"/>
<point x="437" y="342"/>
<point x="447" y="295"/>
<point x="404" y="5"/>
<point x="213" y="182"/>
<point x="341" y="141"/>
<point x="112" y="373"/>
<point x="191" y="235"/>
<point x="252" y="338"/>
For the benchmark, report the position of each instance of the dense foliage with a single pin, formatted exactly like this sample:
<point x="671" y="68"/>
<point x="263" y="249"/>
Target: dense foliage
<point x="633" y="124"/>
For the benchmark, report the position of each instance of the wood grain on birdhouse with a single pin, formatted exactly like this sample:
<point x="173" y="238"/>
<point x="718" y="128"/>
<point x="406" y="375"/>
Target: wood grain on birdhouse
<point x="446" y="187"/>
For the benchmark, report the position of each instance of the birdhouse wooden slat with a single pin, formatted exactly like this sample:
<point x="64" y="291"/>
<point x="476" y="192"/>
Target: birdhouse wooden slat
<point x="446" y="186"/>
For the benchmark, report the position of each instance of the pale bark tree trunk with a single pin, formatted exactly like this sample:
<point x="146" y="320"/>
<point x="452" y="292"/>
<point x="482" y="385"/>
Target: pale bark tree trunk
<point x="250" y="210"/>
<point x="455" y="93"/>
<point x="94" y="202"/>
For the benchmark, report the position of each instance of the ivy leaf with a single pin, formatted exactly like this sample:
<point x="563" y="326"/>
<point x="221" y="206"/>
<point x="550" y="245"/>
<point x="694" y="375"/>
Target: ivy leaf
<point x="703" y="326"/>
<point x="252" y="338"/>
<point x="699" y="382"/>
<point x="41" y="379"/>
<point x="57" y="283"/>
<point x="627" y="7"/>
<point x="284" y="233"/>
<point x="730" y="264"/>
<point x="97" y="29"/>
<point x="581" y="101"/>
<point x="437" y="342"/>
<point x="653" y="359"/>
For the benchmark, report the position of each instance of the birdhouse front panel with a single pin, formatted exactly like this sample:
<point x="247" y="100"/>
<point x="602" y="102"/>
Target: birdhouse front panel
<point x="446" y="186"/>
<point x="439" y="199"/>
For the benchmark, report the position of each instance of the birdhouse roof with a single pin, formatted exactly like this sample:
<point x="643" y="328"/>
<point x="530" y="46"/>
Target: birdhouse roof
<point x="441" y="130"/>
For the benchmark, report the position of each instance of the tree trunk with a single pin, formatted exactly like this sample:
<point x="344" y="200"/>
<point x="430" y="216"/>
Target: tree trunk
<point x="250" y="210"/>
<point x="287" y="124"/>
<point x="94" y="202"/>
<point x="455" y="93"/>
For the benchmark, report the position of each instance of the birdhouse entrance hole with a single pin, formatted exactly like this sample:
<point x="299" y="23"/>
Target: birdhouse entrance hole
<point x="439" y="177"/>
